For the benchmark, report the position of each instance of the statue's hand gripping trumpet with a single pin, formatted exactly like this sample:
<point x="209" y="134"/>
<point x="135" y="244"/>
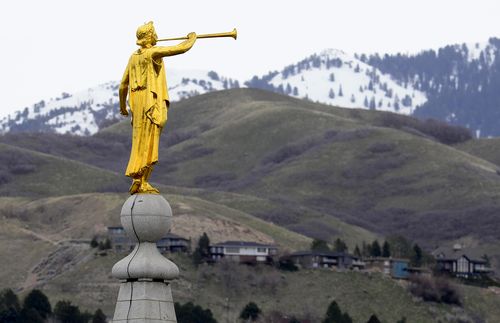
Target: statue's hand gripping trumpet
<point x="145" y="84"/>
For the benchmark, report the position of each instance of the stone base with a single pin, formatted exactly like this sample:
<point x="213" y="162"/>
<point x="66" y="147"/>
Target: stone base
<point x="145" y="302"/>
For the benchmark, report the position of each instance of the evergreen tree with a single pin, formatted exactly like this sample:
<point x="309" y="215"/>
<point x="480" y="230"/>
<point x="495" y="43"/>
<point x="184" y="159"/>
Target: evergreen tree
<point x="339" y="245"/>
<point x="295" y="91"/>
<point x="416" y="259"/>
<point x="10" y="315"/>
<point x="105" y="245"/>
<point x="357" y="252"/>
<point x="65" y="312"/>
<point x="39" y="302"/>
<point x="365" y="102"/>
<point x="94" y="243"/>
<point x="372" y="103"/>
<point x="191" y="313"/>
<point x="373" y="319"/>
<point x="8" y="299"/>
<point x="346" y="318"/>
<point x="400" y="247"/>
<point x="202" y="251"/>
<point x="353" y="98"/>
<point x="9" y="306"/>
<point x="319" y="245"/>
<point x="386" y="249"/>
<point x="340" y="90"/>
<point x="333" y="313"/>
<point x="99" y="317"/>
<point x="375" y="249"/>
<point x="30" y="315"/>
<point x="331" y="94"/>
<point x="332" y="77"/>
<point x="365" y="250"/>
<point x="250" y="312"/>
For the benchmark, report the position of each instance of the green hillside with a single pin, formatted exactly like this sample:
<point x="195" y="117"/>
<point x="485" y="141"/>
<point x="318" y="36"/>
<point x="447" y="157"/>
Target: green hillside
<point x="25" y="172"/>
<point x="226" y="288"/>
<point x="485" y="148"/>
<point x="307" y="166"/>
<point x="252" y="165"/>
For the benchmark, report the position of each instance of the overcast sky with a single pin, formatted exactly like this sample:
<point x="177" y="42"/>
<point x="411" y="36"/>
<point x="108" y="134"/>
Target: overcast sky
<point x="53" y="46"/>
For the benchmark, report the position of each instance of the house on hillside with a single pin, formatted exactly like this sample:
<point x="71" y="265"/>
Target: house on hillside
<point x="460" y="261"/>
<point x="243" y="252"/>
<point x="395" y="267"/>
<point x="326" y="259"/>
<point x="121" y="242"/>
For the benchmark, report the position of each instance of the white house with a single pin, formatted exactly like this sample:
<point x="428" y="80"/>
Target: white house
<point x="243" y="251"/>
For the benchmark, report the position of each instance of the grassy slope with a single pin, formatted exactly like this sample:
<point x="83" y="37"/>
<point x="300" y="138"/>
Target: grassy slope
<point x="342" y="176"/>
<point x="39" y="174"/>
<point x="313" y="168"/>
<point x="37" y="227"/>
<point x="231" y="136"/>
<point x="485" y="148"/>
<point x="227" y="288"/>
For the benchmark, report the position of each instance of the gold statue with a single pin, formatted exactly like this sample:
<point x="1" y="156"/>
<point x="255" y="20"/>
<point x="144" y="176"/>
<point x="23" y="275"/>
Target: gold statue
<point x="145" y="83"/>
<point x="148" y="100"/>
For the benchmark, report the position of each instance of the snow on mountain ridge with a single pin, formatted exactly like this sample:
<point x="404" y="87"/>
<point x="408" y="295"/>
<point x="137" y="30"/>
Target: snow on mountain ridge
<point x="337" y="78"/>
<point x="85" y="112"/>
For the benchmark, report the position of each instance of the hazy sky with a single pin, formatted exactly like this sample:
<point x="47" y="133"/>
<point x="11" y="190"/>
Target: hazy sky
<point x="53" y="46"/>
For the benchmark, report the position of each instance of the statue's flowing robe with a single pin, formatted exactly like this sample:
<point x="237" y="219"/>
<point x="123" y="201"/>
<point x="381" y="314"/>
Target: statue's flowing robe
<point x="149" y="102"/>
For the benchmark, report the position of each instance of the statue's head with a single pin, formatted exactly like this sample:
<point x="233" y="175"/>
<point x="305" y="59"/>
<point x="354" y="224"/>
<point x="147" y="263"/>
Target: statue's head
<point x="146" y="34"/>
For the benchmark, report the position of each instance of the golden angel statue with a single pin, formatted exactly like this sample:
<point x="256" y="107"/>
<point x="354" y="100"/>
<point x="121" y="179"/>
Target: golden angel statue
<point x="145" y="84"/>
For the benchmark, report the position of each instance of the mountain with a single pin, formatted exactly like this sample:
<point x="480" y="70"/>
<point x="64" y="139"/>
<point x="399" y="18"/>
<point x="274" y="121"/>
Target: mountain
<point x="456" y="84"/>
<point x="85" y="112"/>
<point x="336" y="78"/>
<point x="461" y="83"/>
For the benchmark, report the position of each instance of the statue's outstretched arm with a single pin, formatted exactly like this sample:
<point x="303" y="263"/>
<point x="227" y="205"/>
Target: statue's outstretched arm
<point x="162" y="51"/>
<point x="123" y="92"/>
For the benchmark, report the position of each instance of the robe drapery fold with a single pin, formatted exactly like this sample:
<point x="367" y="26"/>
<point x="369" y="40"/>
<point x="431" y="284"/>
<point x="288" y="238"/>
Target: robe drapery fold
<point x="148" y="100"/>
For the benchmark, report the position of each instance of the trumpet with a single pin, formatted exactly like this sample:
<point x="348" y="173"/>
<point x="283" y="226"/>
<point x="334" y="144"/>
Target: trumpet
<point x="232" y="34"/>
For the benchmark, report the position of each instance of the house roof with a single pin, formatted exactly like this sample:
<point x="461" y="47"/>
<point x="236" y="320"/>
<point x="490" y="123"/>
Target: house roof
<point x="174" y="236"/>
<point x="168" y="236"/>
<point x="242" y="244"/>
<point x="452" y="254"/>
<point x="322" y="254"/>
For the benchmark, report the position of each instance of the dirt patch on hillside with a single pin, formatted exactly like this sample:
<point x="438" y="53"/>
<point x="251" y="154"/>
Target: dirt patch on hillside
<point x="219" y="230"/>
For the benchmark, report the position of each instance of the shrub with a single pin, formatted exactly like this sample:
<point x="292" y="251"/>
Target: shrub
<point x="65" y="312"/>
<point x="190" y="313"/>
<point x="99" y="317"/>
<point x="250" y="312"/>
<point x="431" y="289"/>
<point x="319" y="245"/>
<point x="286" y="264"/>
<point x="441" y="131"/>
<point x="39" y="302"/>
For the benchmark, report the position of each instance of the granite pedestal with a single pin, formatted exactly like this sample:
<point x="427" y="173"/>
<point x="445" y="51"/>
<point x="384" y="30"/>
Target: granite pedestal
<point x="145" y="275"/>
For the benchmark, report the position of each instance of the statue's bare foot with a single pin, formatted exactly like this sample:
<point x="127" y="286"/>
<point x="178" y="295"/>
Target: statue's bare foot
<point x="135" y="187"/>
<point x="147" y="188"/>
